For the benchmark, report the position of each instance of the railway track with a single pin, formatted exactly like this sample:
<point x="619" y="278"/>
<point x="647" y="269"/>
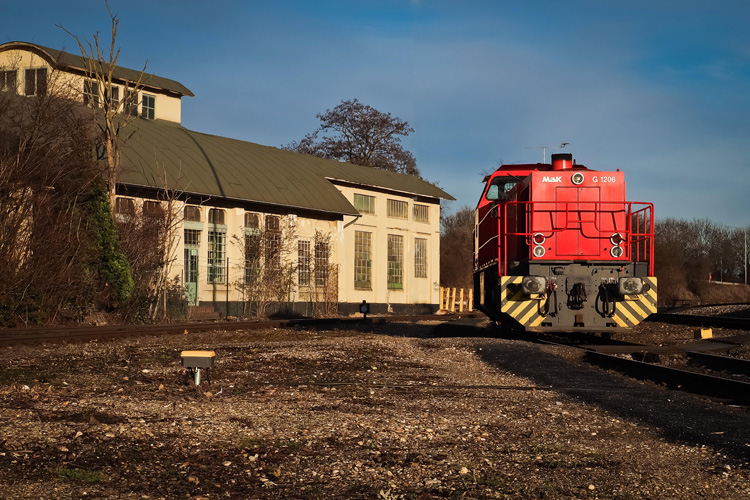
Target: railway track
<point x="643" y="362"/>
<point x="707" y="321"/>
<point x="608" y="355"/>
<point x="83" y="334"/>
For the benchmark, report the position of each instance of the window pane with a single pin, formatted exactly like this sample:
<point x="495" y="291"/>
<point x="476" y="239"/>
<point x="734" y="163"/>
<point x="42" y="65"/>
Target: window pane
<point x="152" y="209"/>
<point x="192" y="213"/>
<point x="216" y="249"/>
<point x="420" y="258"/>
<point x="273" y="250"/>
<point x="252" y="257"/>
<point x="364" y="204"/>
<point x="272" y="223"/>
<point x="362" y="259"/>
<point x="397" y="209"/>
<point x="148" y="106"/>
<point x="192" y="237"/>
<point x="421" y="213"/>
<point x="131" y="102"/>
<point x="91" y="93"/>
<point x="41" y="81"/>
<point x="114" y="100"/>
<point x="321" y="263"/>
<point x="252" y="220"/>
<point x="8" y="80"/>
<point x="124" y="206"/>
<point x="216" y="216"/>
<point x="395" y="261"/>
<point x="304" y="262"/>
<point x="30" y="81"/>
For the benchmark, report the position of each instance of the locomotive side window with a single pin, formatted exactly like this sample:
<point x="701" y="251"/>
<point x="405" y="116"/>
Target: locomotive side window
<point x="499" y="188"/>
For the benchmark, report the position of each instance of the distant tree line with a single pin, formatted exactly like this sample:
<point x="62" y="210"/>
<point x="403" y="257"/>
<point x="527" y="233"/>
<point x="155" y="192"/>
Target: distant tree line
<point x="692" y="254"/>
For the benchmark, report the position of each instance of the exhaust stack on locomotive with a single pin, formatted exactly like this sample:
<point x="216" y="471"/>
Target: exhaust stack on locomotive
<point x="558" y="248"/>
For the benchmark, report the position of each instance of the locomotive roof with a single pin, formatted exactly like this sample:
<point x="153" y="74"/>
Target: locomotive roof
<point x="527" y="168"/>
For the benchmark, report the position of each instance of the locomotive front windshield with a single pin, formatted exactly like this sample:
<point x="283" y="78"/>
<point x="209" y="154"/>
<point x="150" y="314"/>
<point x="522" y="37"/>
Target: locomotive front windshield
<point x="499" y="188"/>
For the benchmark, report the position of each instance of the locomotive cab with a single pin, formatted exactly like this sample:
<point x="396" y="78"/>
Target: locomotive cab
<point x="558" y="248"/>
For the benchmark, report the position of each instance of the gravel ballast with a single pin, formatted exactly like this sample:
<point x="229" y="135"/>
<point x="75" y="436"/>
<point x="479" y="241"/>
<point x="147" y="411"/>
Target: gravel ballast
<point x="395" y="411"/>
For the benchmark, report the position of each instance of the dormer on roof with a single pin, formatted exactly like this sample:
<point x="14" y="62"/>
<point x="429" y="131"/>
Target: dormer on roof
<point x="26" y="69"/>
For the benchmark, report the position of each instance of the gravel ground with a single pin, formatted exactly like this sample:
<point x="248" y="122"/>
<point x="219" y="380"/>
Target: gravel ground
<point x="734" y="310"/>
<point x="376" y="412"/>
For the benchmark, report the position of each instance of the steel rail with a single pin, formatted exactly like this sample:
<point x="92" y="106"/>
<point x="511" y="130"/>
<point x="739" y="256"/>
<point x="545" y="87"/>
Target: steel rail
<point x="708" y="385"/>
<point x="81" y="334"/>
<point x="692" y="320"/>
<point x="715" y="362"/>
<point x="699" y="383"/>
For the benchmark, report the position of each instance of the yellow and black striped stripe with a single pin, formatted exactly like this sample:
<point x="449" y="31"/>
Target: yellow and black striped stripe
<point x="636" y="308"/>
<point x="528" y="310"/>
<point x="518" y="305"/>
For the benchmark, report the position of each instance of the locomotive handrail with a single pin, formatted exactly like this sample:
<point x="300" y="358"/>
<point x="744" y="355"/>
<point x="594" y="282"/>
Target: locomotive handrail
<point x="635" y="243"/>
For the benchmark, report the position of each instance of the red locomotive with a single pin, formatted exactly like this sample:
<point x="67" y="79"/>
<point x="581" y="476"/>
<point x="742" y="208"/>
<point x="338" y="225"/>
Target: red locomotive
<point x="558" y="248"/>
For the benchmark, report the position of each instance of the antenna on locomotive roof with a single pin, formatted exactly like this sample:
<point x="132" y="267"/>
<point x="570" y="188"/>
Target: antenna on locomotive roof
<point x="544" y="149"/>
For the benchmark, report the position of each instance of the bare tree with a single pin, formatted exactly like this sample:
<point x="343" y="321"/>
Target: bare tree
<point x="101" y="92"/>
<point x="318" y="277"/>
<point x="268" y="270"/>
<point x="457" y="249"/>
<point x="149" y="236"/>
<point x="47" y="255"/>
<point x="360" y="134"/>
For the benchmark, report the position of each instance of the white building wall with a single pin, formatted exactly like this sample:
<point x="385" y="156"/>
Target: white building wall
<point x="415" y="290"/>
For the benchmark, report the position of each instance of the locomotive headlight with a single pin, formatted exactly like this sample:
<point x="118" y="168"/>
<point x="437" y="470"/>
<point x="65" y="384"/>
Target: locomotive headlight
<point x="539" y="239"/>
<point x="630" y="286"/>
<point x="577" y="178"/>
<point x="616" y="239"/>
<point x="539" y="251"/>
<point x="534" y="284"/>
<point x="616" y="252"/>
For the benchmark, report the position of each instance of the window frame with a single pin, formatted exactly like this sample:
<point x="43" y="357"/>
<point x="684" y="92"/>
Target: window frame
<point x="304" y="254"/>
<point x="249" y="223"/>
<point x="398" y="209"/>
<point x="322" y="262"/>
<point x="194" y="209"/>
<point x="124" y="206"/>
<point x="91" y="93"/>
<point x="395" y="268"/>
<point x="192" y="238"/>
<point x="5" y="86"/>
<point x="421" y="213"/>
<point x="252" y="256"/>
<point x="216" y="258"/>
<point x="38" y="85"/>
<point x="363" y="208"/>
<point x="130" y="104"/>
<point x="420" y="257"/>
<point x="212" y="216"/>
<point x="362" y="260"/>
<point x="114" y="97"/>
<point x="148" y="106"/>
<point x="152" y="208"/>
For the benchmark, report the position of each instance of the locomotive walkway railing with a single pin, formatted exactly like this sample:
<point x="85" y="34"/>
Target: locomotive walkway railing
<point x="633" y="220"/>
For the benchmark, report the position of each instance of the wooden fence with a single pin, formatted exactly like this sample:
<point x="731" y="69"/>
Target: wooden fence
<point x="455" y="299"/>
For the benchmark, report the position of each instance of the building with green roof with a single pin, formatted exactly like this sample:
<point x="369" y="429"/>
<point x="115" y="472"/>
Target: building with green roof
<point x="343" y="233"/>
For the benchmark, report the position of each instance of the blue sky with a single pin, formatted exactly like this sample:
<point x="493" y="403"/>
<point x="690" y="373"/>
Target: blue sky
<point x="659" y="89"/>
